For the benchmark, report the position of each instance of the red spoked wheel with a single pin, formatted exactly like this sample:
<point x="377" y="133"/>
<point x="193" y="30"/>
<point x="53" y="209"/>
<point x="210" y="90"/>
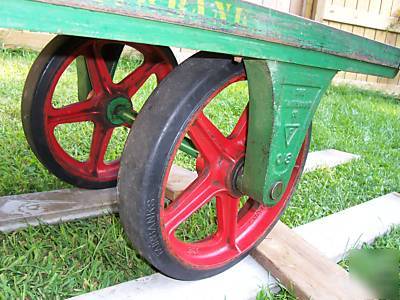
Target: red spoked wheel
<point x="210" y="226"/>
<point x="71" y="129"/>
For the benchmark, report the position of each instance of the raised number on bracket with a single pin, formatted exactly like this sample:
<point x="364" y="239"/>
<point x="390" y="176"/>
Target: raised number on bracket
<point x="283" y="158"/>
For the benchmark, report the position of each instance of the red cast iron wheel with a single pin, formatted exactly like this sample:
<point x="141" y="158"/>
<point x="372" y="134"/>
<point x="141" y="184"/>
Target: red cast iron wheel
<point x="40" y="117"/>
<point x="175" y="110"/>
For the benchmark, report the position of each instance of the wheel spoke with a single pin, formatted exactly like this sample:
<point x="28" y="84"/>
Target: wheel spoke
<point x="100" y="140"/>
<point x="162" y="70"/>
<point x="135" y="80"/>
<point x="239" y="133"/>
<point x="207" y="138"/>
<point x="227" y="216"/>
<point x="199" y="193"/>
<point x="73" y="113"/>
<point x="99" y="75"/>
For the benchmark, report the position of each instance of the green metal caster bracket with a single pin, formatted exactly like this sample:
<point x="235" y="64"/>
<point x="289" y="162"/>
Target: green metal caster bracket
<point x="283" y="101"/>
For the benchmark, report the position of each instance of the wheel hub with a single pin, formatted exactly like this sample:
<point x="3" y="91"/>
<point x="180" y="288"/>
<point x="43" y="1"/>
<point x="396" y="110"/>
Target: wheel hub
<point x="119" y="111"/>
<point x="235" y="178"/>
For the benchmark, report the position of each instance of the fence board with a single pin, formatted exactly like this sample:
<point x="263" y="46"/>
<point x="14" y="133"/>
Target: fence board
<point x="373" y="19"/>
<point x="296" y="7"/>
<point x="363" y="6"/>
<point x="350" y="4"/>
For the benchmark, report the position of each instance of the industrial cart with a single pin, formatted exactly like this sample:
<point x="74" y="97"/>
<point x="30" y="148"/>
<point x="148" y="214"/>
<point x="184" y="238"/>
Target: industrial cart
<point x="249" y="174"/>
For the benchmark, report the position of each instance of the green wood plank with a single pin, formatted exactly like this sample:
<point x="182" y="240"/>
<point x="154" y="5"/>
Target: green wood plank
<point x="248" y="20"/>
<point x="40" y="16"/>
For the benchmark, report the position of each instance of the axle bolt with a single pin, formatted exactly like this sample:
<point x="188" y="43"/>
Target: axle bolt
<point x="276" y="191"/>
<point x="120" y="111"/>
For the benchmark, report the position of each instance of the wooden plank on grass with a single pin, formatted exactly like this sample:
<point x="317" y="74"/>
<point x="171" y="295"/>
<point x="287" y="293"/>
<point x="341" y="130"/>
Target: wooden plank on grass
<point x="178" y="180"/>
<point x="363" y="223"/>
<point x="53" y="207"/>
<point x="302" y="269"/>
<point x="328" y="159"/>
<point x="19" y="211"/>
<point x="351" y="228"/>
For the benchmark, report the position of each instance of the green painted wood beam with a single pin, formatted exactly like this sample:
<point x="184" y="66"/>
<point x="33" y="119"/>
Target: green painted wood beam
<point x="248" y="20"/>
<point x="220" y="36"/>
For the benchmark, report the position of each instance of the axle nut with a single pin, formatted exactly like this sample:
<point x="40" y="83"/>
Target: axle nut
<point x="276" y="191"/>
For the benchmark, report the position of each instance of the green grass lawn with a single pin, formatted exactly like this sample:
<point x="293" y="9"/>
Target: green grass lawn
<point x="55" y="262"/>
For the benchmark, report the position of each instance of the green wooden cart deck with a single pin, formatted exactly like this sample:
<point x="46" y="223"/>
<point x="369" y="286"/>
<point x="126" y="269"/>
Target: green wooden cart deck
<point x="232" y="27"/>
<point x="290" y="61"/>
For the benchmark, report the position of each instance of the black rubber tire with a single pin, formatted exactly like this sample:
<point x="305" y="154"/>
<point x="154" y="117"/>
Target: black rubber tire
<point x="163" y="120"/>
<point x="37" y="84"/>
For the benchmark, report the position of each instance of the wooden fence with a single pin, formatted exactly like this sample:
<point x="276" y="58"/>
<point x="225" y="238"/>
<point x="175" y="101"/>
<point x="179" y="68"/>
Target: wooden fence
<point x="374" y="19"/>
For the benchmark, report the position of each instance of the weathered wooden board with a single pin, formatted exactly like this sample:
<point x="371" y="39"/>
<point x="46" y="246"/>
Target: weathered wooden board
<point x="73" y="204"/>
<point x="302" y="269"/>
<point x="244" y="19"/>
<point x="328" y="159"/>
<point x="179" y="179"/>
<point x="54" y="207"/>
<point x="330" y="235"/>
<point x="239" y="27"/>
<point x="67" y="205"/>
<point x="35" y="40"/>
<point x="377" y="20"/>
<point x="352" y="227"/>
<point x="353" y="16"/>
